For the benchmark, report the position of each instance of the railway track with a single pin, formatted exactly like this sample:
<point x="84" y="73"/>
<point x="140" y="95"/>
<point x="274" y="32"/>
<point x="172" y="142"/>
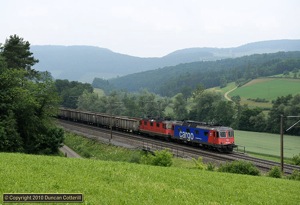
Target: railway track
<point x="266" y="164"/>
<point x="133" y="141"/>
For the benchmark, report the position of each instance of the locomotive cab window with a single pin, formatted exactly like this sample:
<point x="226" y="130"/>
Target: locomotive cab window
<point x="157" y="124"/>
<point x="151" y="124"/>
<point x="164" y="126"/>
<point x="231" y="133"/>
<point x="145" y="122"/>
<point x="205" y="133"/>
<point x="222" y="134"/>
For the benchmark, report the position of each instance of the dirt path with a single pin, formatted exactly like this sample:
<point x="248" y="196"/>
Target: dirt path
<point x="226" y="94"/>
<point x="68" y="152"/>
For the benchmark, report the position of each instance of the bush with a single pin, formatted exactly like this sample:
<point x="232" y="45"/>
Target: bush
<point x="210" y="167"/>
<point x="275" y="172"/>
<point x="295" y="175"/>
<point x="147" y="159"/>
<point x="240" y="167"/>
<point x="199" y="163"/>
<point x="263" y="100"/>
<point x="160" y="158"/>
<point x="135" y="158"/>
<point x="296" y="159"/>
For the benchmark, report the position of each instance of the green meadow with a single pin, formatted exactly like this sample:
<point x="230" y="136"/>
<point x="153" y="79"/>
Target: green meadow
<point x="106" y="182"/>
<point x="267" y="144"/>
<point x="266" y="88"/>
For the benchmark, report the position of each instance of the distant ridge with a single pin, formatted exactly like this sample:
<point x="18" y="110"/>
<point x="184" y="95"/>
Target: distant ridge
<point x="84" y="63"/>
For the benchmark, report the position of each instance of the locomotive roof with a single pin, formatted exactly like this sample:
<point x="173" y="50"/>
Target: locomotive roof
<point x="155" y="119"/>
<point x="196" y="124"/>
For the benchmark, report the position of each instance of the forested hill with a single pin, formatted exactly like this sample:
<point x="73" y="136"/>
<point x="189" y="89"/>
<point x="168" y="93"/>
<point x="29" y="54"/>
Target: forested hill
<point x="84" y="63"/>
<point x="171" y="80"/>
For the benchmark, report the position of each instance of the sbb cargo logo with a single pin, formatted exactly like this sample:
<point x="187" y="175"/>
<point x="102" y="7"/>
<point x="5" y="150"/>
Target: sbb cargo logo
<point x="186" y="135"/>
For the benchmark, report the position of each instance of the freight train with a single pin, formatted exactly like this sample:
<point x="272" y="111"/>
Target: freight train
<point x="197" y="133"/>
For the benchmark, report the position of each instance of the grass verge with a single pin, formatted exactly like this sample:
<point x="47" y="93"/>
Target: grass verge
<point x="89" y="148"/>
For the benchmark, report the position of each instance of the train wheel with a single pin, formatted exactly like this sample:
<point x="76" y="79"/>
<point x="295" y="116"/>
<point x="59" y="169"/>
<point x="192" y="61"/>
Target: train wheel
<point x="220" y="150"/>
<point x="230" y="149"/>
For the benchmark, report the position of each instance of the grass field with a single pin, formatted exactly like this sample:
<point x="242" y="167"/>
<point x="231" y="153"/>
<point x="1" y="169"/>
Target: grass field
<point x="229" y="86"/>
<point x="99" y="91"/>
<point x="266" y="88"/>
<point x="268" y="144"/>
<point x="104" y="182"/>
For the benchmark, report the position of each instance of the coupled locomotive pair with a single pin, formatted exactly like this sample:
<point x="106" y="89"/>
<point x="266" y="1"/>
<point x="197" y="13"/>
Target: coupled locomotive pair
<point x="198" y="133"/>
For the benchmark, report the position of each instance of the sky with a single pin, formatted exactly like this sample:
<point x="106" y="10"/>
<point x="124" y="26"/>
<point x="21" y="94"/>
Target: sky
<point x="149" y="28"/>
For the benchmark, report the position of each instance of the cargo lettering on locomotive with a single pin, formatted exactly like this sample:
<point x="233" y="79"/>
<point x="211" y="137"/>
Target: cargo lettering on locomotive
<point x="186" y="135"/>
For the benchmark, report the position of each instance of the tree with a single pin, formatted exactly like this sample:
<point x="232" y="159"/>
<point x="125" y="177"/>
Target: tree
<point x="258" y="122"/>
<point x="251" y="119"/>
<point x="223" y="82"/>
<point x="102" y="84"/>
<point x="286" y="106"/>
<point x="70" y="92"/>
<point x="130" y="104"/>
<point x="186" y="92"/>
<point x="17" y="54"/>
<point x="10" y="139"/>
<point x="204" y="106"/>
<point x="147" y="104"/>
<point x="27" y="105"/>
<point x="179" y="107"/>
<point x="224" y="113"/>
<point x="278" y="109"/>
<point x="198" y="91"/>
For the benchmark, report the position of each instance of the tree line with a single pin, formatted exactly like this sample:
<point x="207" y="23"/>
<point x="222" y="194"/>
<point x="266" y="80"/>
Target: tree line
<point x="203" y="105"/>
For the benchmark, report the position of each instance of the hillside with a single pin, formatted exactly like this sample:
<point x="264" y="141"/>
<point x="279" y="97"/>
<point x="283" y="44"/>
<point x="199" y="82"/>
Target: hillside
<point x="171" y="80"/>
<point x="266" y="89"/>
<point x="84" y="63"/>
<point x="104" y="182"/>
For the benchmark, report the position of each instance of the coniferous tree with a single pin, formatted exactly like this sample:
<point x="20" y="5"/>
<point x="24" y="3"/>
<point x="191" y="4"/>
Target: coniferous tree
<point x="17" y="54"/>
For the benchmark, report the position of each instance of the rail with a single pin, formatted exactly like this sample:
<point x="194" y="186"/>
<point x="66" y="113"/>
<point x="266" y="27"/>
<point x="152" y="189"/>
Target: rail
<point x="151" y="147"/>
